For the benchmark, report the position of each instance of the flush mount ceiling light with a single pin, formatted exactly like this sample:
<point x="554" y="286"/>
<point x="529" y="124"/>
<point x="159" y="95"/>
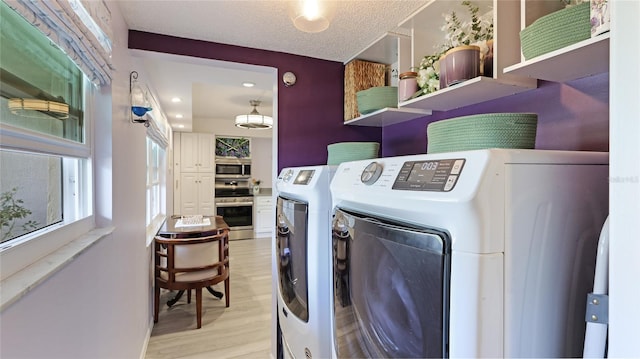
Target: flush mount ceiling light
<point x="312" y="15"/>
<point x="32" y="107"/>
<point x="254" y="120"/>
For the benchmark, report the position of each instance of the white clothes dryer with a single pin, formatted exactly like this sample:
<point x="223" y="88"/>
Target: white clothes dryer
<point x="303" y="261"/>
<point x="486" y="253"/>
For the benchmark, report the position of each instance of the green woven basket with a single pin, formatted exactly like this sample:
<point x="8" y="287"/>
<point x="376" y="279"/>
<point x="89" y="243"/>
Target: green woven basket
<point x="556" y="30"/>
<point x="489" y="130"/>
<point x="375" y="98"/>
<point x="351" y="151"/>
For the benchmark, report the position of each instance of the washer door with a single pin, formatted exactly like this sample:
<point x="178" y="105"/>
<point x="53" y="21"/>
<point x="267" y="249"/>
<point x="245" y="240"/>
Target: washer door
<point x="391" y="289"/>
<point x="291" y="247"/>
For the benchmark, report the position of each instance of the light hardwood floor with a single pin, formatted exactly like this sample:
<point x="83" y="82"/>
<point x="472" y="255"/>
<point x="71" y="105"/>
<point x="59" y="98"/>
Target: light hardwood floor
<point x="241" y="331"/>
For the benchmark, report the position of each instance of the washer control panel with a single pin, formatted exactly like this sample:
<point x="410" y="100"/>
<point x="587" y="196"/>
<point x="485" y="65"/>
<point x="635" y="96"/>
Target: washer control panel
<point x="304" y="177"/>
<point x="371" y="173"/>
<point x="286" y="177"/>
<point x="430" y="175"/>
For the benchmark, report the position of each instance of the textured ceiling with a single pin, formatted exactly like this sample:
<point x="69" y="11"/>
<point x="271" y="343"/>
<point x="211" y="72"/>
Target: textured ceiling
<point x="262" y="24"/>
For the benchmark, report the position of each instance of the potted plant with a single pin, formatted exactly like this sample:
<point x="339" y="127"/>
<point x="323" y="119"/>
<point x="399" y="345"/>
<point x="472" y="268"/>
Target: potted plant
<point x="256" y="185"/>
<point x="478" y="32"/>
<point x="467" y="43"/>
<point x="12" y="210"/>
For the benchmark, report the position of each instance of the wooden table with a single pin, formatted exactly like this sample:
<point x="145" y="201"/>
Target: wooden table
<point x="169" y="230"/>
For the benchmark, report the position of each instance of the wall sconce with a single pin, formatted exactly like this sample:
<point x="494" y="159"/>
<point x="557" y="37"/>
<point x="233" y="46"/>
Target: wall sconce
<point x="139" y="102"/>
<point x="312" y="15"/>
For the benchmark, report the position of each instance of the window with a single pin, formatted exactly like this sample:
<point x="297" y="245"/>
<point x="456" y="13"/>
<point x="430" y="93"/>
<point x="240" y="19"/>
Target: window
<point x="45" y="156"/>
<point x="155" y="180"/>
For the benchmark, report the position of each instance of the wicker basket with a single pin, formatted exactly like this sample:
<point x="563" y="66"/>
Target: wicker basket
<point x="360" y="75"/>
<point x="556" y="30"/>
<point x="490" y="130"/>
<point x="351" y="151"/>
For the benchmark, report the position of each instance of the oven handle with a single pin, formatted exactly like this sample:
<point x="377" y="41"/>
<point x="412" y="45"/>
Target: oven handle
<point x="234" y="204"/>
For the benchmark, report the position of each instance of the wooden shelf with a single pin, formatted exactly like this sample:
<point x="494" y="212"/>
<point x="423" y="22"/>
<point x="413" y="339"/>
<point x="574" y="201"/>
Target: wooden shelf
<point x="387" y="116"/>
<point x="582" y="59"/>
<point x="479" y="89"/>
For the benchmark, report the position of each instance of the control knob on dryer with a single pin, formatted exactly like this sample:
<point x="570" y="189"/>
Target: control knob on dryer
<point x="371" y="173"/>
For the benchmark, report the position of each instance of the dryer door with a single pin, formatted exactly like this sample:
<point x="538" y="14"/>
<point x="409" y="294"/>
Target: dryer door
<point x="291" y="246"/>
<point x="391" y="289"/>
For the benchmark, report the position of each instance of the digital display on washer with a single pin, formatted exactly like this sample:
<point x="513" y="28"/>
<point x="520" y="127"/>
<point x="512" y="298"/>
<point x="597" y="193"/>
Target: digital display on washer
<point x="435" y="175"/>
<point x="304" y="177"/>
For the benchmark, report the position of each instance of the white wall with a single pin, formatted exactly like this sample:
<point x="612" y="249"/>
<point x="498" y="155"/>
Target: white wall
<point x="261" y="161"/>
<point x="624" y="286"/>
<point x="98" y="305"/>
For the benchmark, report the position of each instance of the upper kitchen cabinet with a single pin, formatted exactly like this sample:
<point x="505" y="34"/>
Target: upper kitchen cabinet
<point x="425" y="27"/>
<point x="582" y="59"/>
<point x="196" y="152"/>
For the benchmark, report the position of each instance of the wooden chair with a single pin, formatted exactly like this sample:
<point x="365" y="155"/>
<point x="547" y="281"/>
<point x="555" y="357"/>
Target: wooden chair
<point x="191" y="263"/>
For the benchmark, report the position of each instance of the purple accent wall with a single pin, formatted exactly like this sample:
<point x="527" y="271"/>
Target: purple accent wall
<point x="310" y="113"/>
<point x="571" y="116"/>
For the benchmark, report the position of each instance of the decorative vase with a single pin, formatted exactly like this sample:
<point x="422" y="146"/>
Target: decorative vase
<point x="460" y="64"/>
<point x="256" y="189"/>
<point x="486" y="60"/>
<point x="443" y="72"/>
<point x="407" y="86"/>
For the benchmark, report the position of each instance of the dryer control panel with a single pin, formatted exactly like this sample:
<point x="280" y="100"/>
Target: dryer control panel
<point x="430" y="175"/>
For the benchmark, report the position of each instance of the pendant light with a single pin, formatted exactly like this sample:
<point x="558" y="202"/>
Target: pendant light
<point x="254" y="120"/>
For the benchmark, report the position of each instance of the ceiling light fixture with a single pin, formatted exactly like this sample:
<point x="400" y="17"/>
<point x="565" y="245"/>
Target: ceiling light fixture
<point x="179" y="115"/>
<point x="254" y="120"/>
<point x="312" y="15"/>
<point x="176" y="99"/>
<point x="33" y="107"/>
<point x="248" y="84"/>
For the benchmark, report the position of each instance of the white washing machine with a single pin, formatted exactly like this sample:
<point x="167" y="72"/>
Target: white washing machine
<point x="486" y="253"/>
<point x="303" y="260"/>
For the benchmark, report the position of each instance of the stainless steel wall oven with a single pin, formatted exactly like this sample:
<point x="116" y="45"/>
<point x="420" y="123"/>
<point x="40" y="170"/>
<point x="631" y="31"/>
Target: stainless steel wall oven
<point x="234" y="202"/>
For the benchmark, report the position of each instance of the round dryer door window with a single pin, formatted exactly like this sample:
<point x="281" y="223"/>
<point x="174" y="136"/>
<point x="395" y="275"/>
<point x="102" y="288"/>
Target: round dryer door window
<point x="391" y="284"/>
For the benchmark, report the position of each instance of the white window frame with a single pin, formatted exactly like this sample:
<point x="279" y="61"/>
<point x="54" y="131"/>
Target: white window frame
<point x="156" y="187"/>
<point x="78" y="220"/>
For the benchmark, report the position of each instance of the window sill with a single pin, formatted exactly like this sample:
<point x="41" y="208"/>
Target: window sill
<point x="19" y="284"/>
<point x="154" y="227"/>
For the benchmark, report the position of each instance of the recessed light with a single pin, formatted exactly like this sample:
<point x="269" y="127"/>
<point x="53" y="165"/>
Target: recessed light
<point x="180" y="126"/>
<point x="179" y="115"/>
<point x="248" y="84"/>
<point x="176" y="99"/>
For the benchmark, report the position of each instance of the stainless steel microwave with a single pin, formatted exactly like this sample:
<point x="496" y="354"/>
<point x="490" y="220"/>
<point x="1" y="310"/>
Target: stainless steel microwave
<point x="233" y="168"/>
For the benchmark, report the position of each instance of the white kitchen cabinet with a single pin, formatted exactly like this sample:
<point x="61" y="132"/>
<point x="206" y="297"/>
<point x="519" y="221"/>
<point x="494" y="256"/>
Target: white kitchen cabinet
<point x="196" y="152"/>
<point x="197" y="196"/>
<point x="264" y="216"/>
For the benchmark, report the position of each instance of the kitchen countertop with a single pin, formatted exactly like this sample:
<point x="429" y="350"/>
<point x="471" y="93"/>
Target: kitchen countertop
<point x="264" y="192"/>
